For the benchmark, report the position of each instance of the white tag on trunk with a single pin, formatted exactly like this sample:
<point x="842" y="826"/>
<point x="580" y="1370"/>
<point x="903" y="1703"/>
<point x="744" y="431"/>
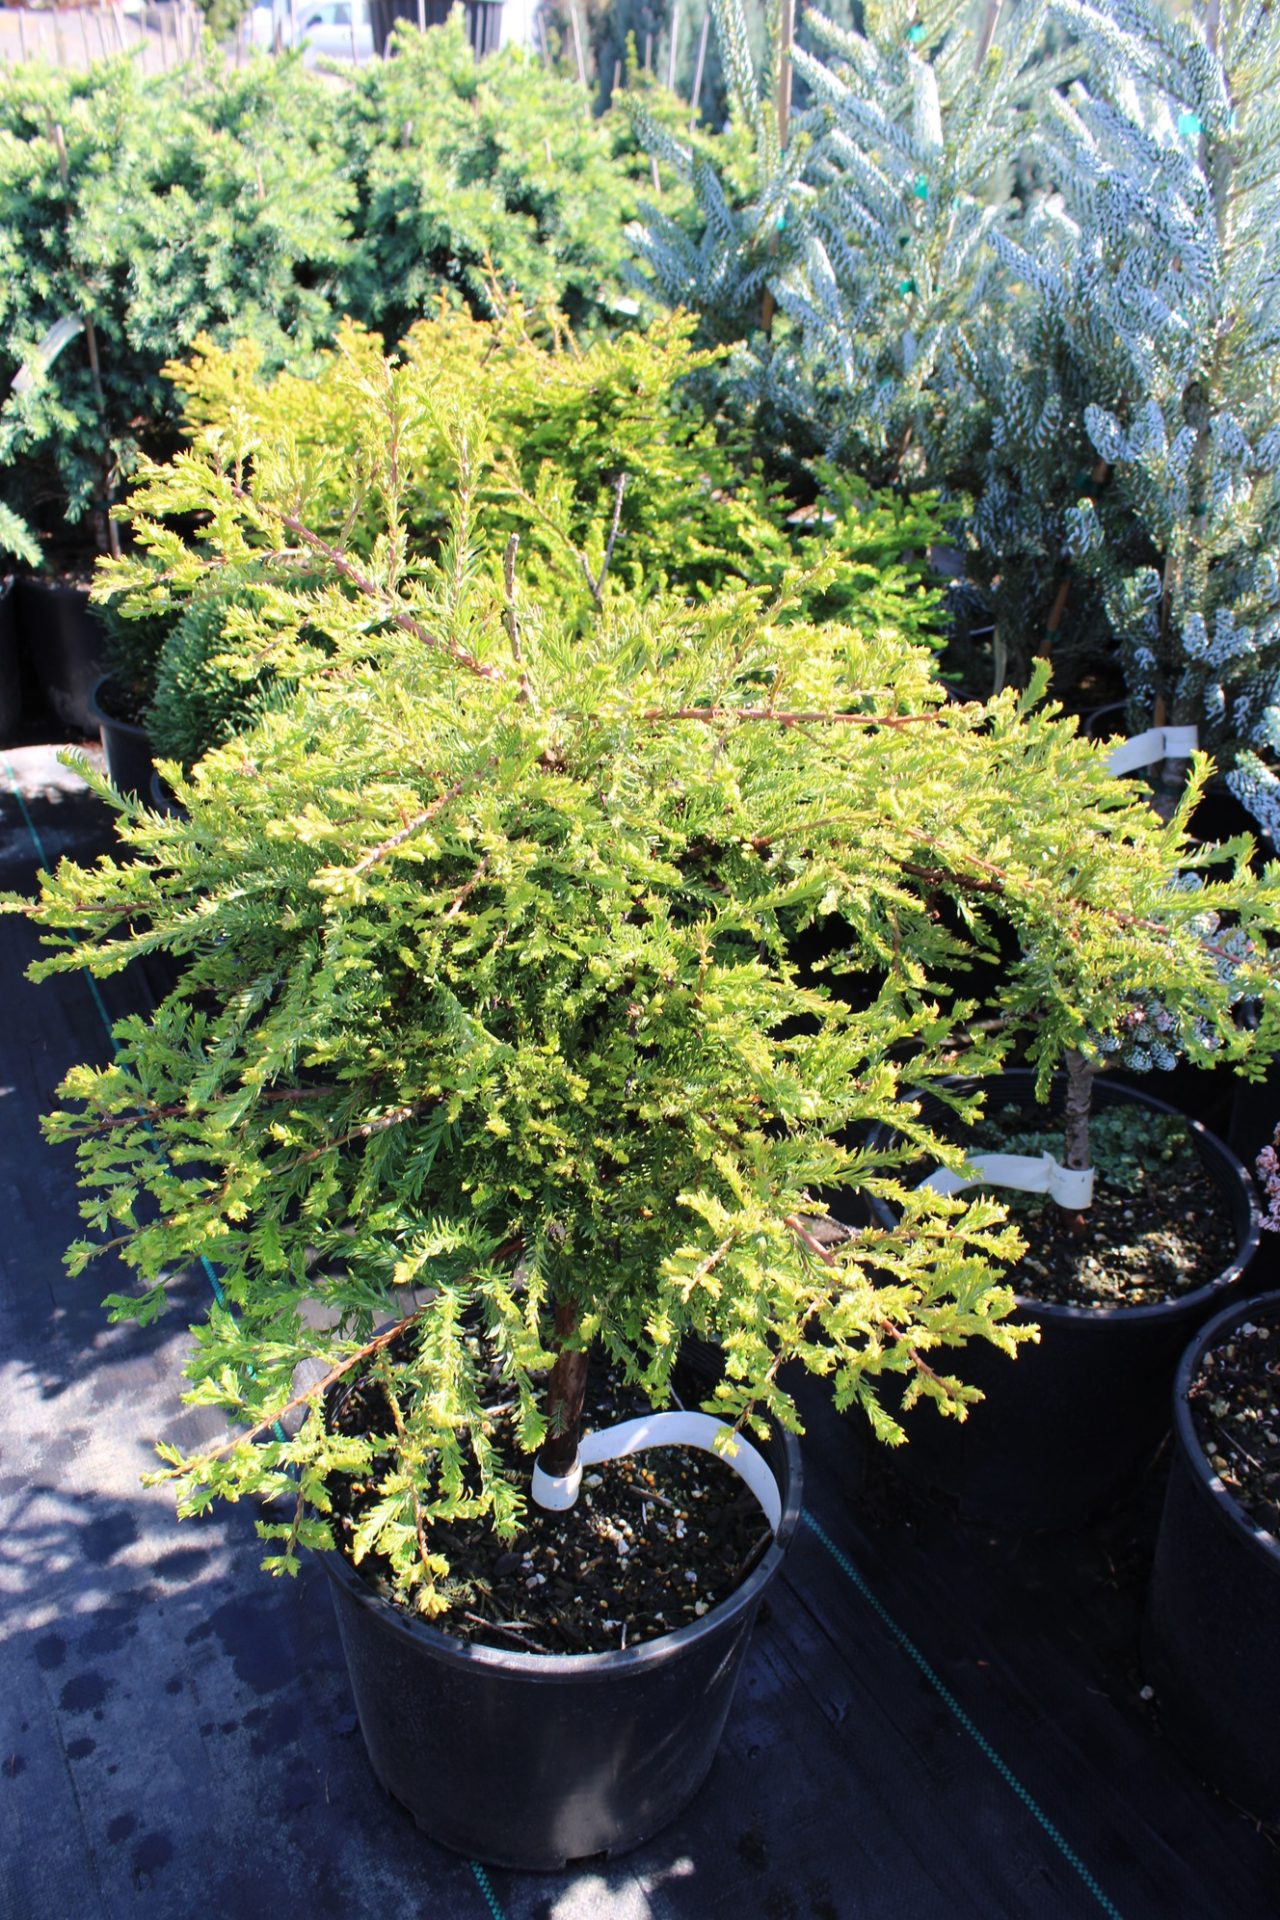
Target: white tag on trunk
<point x="1071" y="1187"/>
<point x="1150" y="748"/>
<point x="557" y="1492"/>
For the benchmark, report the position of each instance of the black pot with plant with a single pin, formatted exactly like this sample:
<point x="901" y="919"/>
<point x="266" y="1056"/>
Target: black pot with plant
<point x="1211" y="1642"/>
<point x="121" y="699"/>
<point x="489" y="1055"/>
<point x="1114" y="1288"/>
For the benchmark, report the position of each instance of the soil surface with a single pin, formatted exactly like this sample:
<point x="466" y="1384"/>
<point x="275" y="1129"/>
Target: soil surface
<point x="1235" y="1406"/>
<point x="654" y="1541"/>
<point x="1158" y="1226"/>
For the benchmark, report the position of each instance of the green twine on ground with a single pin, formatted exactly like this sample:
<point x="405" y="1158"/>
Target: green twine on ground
<point x="491" y="1898"/>
<point x="949" y="1700"/>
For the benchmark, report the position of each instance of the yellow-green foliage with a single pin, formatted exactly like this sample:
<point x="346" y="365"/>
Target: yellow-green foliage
<point x="489" y="991"/>
<point x="548" y="434"/>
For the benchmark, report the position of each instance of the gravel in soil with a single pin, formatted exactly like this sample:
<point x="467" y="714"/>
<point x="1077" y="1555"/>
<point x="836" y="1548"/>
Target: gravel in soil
<point x="1235" y="1406"/>
<point x="654" y="1541"/>
<point x="1152" y="1233"/>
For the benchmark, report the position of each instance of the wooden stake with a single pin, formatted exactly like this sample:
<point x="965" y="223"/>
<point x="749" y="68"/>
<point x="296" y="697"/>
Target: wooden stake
<point x="988" y="33"/>
<point x="673" y="48"/>
<point x="579" y="56"/>
<point x="648" y="54"/>
<point x="697" y="70"/>
<point x="91" y="341"/>
<point x="84" y="36"/>
<point x="422" y="16"/>
<point x="617" y="78"/>
<point x="786" y="40"/>
<point x="22" y="35"/>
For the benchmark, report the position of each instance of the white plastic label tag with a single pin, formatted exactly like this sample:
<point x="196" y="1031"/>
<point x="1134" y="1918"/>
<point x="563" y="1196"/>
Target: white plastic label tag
<point x="661" y="1430"/>
<point x="60" y="334"/>
<point x="1070" y="1186"/>
<point x="1150" y="748"/>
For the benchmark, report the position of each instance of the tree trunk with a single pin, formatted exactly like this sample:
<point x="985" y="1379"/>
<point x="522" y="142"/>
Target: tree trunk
<point x="1080" y="1078"/>
<point x="566" y="1390"/>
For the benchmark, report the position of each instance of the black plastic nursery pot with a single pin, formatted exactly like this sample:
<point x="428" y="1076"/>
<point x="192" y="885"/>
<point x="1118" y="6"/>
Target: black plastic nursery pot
<point x="535" y="1760"/>
<point x="1211" y="1643"/>
<point x="125" y="744"/>
<point x="62" y="639"/>
<point x="1070" y="1423"/>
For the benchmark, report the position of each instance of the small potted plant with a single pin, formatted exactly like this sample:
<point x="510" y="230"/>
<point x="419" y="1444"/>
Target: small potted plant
<point x="1209" y="1638"/>
<point x="490" y="1076"/>
<point x="1139" y="1223"/>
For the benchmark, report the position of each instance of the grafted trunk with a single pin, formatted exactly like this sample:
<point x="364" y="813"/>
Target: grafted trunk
<point x="1080" y="1078"/>
<point x="566" y="1390"/>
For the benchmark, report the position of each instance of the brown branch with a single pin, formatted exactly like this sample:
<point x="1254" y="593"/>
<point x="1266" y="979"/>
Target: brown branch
<point x="342" y="564"/>
<point x="462" y="894"/>
<point x="656" y="715"/>
<point x="510" y="616"/>
<point x="366" y="1131"/>
<point x="318" y="1387"/>
<point x="407" y="832"/>
<point x="597" y="585"/>
<point x="180" y="1110"/>
<point x="808" y="1240"/>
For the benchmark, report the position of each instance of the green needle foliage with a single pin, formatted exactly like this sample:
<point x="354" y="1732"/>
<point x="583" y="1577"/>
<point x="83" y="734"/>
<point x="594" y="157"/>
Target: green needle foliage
<point x="490" y="1026"/>
<point x="157" y="209"/>
<point x="581" y="453"/>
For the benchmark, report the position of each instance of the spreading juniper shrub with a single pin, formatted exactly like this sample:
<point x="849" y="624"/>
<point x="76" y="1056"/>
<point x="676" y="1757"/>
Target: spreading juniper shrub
<point x="655" y="1541"/>
<point x="1157" y="1227"/>
<point x="1235" y="1406"/>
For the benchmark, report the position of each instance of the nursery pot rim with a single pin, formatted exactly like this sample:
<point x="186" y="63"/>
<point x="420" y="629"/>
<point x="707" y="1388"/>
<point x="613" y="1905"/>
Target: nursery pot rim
<point x="1234" y="1174"/>
<point x="1209" y="1486"/>
<point x="105" y="719"/>
<point x="553" y="1667"/>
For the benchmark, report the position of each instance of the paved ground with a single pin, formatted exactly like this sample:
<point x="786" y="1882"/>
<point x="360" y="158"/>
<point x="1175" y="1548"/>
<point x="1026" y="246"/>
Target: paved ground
<point x="933" y="1724"/>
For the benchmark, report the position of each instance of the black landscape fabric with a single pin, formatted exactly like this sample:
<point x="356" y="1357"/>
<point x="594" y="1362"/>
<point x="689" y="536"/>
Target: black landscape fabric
<point x="934" y="1721"/>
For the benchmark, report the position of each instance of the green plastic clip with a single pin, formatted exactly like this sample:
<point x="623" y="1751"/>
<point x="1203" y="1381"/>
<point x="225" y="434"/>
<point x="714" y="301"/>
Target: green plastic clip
<point x="1190" y="124"/>
<point x="921" y="188"/>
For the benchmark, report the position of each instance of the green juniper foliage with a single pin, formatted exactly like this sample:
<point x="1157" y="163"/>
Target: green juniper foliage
<point x="484" y="179"/>
<point x="488" y="1018"/>
<point x="579" y="452"/>
<point x="157" y="207"/>
<point x="262" y="202"/>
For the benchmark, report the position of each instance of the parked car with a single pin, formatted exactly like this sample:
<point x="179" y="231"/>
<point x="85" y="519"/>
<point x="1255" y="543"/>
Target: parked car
<point x="324" y="29"/>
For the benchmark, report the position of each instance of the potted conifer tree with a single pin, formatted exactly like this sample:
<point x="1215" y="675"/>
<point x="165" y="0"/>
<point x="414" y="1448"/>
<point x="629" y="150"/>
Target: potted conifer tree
<point x="489" y="1076"/>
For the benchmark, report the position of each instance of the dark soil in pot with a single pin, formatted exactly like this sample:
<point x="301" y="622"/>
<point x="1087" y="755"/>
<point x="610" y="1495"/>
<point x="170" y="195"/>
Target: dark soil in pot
<point x="1073" y="1420"/>
<point x="1155" y="1230"/>
<point x="1211" y="1643"/>
<point x="533" y="1760"/>
<point x="1234" y="1401"/>
<point x="654" y="1542"/>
